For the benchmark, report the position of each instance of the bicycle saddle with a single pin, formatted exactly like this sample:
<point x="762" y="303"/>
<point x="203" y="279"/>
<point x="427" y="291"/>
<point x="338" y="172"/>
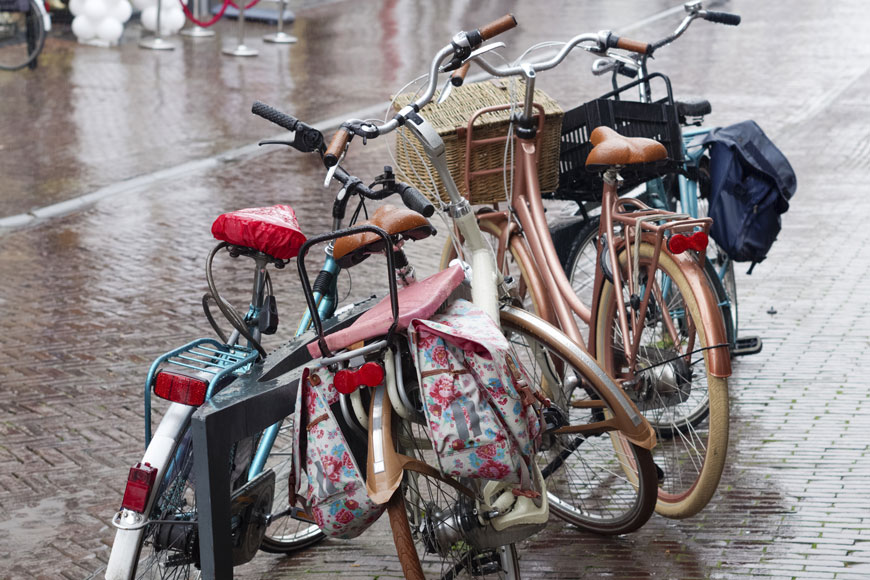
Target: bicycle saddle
<point x="611" y="148"/>
<point x="399" y="222"/>
<point x="693" y="107"/>
<point x="272" y="230"/>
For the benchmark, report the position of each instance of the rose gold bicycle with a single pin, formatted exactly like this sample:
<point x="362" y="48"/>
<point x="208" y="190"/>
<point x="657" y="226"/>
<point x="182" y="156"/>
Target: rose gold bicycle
<point x="653" y="323"/>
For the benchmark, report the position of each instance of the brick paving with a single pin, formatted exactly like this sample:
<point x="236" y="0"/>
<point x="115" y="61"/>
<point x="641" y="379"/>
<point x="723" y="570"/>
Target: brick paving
<point x="90" y="299"/>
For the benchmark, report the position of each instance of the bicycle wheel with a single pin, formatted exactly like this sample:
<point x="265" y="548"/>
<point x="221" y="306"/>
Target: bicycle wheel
<point x="169" y="548"/>
<point x="592" y="483"/>
<point x="285" y="534"/>
<point x="22" y="34"/>
<point x="685" y="404"/>
<point x="431" y="520"/>
<point x="580" y="269"/>
<point x="580" y="265"/>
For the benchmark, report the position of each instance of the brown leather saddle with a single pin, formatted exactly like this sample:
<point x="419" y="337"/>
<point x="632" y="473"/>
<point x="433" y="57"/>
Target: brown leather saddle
<point x="399" y="222"/>
<point x="612" y="149"/>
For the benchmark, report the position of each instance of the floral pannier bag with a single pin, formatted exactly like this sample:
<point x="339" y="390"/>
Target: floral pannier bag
<point x="331" y="484"/>
<point x="480" y="407"/>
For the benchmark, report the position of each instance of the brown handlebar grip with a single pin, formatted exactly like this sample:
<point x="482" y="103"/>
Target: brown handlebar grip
<point x="458" y="76"/>
<point x="495" y="28"/>
<point x="336" y="146"/>
<point x="632" y="45"/>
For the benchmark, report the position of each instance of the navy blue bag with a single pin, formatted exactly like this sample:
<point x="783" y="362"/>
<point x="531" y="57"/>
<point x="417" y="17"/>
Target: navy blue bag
<point x="751" y="184"/>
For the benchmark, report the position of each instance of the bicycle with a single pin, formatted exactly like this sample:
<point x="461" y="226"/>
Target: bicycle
<point x="685" y="190"/>
<point x="436" y="536"/>
<point x="23" y="27"/>
<point x="644" y="335"/>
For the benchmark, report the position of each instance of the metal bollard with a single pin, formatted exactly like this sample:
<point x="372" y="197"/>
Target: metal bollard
<point x="241" y="49"/>
<point x="280" y="37"/>
<point x="197" y="31"/>
<point x="157" y="42"/>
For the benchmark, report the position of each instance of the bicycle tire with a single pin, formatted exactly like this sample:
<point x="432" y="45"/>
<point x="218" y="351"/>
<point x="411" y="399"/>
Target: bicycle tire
<point x="593" y="484"/>
<point x="691" y="457"/>
<point x="286" y="535"/>
<point x="22" y="37"/>
<point x="424" y="517"/>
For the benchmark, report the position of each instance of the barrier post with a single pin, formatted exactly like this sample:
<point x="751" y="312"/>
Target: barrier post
<point x="280" y="37"/>
<point x="241" y="49"/>
<point x="197" y="31"/>
<point x="157" y="42"/>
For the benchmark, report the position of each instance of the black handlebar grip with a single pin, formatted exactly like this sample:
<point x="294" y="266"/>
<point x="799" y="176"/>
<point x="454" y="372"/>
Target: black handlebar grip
<point x="414" y="200"/>
<point x="275" y="116"/>
<point x="722" y="18"/>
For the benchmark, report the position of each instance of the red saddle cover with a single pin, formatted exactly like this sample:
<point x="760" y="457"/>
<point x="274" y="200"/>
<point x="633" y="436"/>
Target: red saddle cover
<point x="272" y="230"/>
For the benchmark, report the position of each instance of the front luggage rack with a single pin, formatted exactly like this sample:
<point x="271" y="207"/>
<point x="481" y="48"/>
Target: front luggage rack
<point x="211" y="358"/>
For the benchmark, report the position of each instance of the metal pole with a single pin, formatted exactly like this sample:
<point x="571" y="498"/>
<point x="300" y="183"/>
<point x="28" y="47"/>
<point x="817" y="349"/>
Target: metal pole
<point x="157" y="42"/>
<point x="241" y="49"/>
<point x="197" y="31"/>
<point x="280" y="37"/>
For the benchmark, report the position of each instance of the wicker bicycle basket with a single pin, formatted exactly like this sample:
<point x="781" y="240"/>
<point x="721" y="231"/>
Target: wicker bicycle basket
<point x="451" y="118"/>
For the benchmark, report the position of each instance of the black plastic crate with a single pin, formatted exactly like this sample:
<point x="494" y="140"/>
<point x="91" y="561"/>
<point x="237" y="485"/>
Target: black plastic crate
<point x="629" y="118"/>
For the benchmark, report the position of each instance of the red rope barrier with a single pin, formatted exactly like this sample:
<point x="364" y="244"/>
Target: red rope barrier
<point x="217" y="16"/>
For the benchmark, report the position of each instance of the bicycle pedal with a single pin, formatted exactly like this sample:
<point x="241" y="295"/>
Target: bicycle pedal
<point x="747" y="345"/>
<point x="660" y="474"/>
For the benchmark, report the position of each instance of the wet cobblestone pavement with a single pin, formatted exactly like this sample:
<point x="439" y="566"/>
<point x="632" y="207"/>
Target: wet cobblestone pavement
<point x="90" y="298"/>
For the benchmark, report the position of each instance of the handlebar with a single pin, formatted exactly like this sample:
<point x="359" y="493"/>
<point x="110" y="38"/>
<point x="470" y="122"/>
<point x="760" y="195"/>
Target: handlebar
<point x="496" y="27"/>
<point x="695" y="10"/>
<point x="306" y="139"/>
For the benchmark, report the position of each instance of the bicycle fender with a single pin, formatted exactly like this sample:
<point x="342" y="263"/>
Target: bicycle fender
<point x="718" y="359"/>
<point x="125" y="549"/>
<point x="384" y="467"/>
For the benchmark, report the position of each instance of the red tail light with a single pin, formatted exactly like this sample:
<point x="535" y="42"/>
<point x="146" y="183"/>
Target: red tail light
<point x="139" y="484"/>
<point x="679" y="243"/>
<point x="370" y="374"/>
<point x="180" y="388"/>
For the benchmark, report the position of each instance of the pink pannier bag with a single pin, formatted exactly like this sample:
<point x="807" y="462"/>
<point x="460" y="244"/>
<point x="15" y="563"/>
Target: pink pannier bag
<point x="331" y="483"/>
<point x="476" y="397"/>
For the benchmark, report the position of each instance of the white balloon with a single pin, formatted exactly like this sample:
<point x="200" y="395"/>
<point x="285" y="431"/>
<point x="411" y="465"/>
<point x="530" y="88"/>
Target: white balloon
<point x="121" y="11"/>
<point x="95" y="10"/>
<point x="75" y="6"/>
<point x="172" y="21"/>
<point x="83" y="28"/>
<point x="143" y="4"/>
<point x="110" y="30"/>
<point x="149" y="18"/>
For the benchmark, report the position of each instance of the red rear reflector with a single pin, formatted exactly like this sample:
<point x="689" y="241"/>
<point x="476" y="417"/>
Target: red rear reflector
<point x="139" y="484"/>
<point x="180" y="388"/>
<point x="678" y="243"/>
<point x="370" y="374"/>
<point x="698" y="241"/>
